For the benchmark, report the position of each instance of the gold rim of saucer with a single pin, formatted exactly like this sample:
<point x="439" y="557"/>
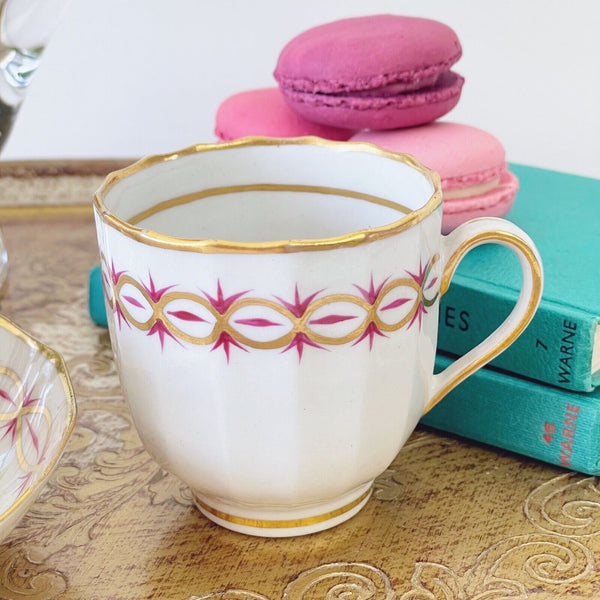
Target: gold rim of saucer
<point x="354" y="238"/>
<point x="61" y="369"/>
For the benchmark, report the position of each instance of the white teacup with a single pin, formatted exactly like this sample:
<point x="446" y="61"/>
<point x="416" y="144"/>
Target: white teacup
<point x="273" y="308"/>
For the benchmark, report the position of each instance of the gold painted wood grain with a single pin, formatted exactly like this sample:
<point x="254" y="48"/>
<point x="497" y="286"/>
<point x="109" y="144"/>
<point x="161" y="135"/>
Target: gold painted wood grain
<point x="449" y="519"/>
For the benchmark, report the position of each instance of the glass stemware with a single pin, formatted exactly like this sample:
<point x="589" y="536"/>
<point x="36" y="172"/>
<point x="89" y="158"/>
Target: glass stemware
<point x="25" y="27"/>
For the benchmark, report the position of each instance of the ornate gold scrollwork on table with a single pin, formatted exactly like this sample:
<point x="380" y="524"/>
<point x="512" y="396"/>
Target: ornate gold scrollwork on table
<point x="534" y="536"/>
<point x="566" y="505"/>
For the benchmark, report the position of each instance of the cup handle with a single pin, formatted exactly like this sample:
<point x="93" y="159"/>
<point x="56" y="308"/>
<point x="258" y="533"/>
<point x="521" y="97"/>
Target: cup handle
<point x="474" y="233"/>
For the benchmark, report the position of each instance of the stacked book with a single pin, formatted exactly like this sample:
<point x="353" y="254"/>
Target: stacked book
<point x="541" y="396"/>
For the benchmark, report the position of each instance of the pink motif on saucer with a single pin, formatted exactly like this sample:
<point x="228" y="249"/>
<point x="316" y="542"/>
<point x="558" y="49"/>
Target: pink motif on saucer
<point x="25" y="425"/>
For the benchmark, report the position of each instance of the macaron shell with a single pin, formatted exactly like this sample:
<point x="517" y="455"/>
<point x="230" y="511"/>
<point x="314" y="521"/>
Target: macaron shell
<point x="495" y="203"/>
<point x="376" y="113"/>
<point x="465" y="157"/>
<point x="462" y="155"/>
<point x="264" y="112"/>
<point x="365" y="53"/>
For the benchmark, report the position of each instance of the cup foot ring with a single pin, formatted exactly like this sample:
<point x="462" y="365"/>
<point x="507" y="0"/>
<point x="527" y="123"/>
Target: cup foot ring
<point x="273" y="523"/>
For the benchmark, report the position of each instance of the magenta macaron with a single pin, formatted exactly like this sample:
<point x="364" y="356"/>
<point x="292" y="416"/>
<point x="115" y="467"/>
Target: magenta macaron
<point x="264" y="112"/>
<point x="471" y="163"/>
<point x="375" y="72"/>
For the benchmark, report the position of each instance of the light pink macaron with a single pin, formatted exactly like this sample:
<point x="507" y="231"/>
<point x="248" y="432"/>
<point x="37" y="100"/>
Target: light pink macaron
<point x="375" y="72"/>
<point x="264" y="112"/>
<point x="471" y="163"/>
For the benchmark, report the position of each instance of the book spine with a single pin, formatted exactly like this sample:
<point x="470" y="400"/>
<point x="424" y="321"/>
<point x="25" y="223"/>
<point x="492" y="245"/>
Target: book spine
<point x="556" y="347"/>
<point x="96" y="306"/>
<point x="539" y="421"/>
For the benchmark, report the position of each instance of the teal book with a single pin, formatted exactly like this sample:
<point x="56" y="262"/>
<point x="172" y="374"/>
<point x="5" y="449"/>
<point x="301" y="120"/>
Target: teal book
<point x="524" y="416"/>
<point x="561" y="346"/>
<point x="96" y="306"/>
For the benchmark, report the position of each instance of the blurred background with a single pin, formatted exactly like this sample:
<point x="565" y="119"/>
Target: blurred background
<point x="125" y="78"/>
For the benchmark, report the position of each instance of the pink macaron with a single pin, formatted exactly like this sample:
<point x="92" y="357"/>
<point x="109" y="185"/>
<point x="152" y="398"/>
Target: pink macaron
<point x="264" y="112"/>
<point x="376" y="72"/>
<point x="471" y="163"/>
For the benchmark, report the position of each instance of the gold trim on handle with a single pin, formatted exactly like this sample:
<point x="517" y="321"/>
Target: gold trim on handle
<point x="536" y="293"/>
<point x="283" y="523"/>
<point x="153" y="238"/>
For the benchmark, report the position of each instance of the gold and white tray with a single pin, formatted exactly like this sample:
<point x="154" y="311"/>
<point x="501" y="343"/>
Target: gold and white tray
<point x="449" y="520"/>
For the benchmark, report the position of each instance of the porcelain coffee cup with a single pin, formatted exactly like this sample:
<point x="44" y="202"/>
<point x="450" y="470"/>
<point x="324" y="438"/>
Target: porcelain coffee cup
<point x="273" y="309"/>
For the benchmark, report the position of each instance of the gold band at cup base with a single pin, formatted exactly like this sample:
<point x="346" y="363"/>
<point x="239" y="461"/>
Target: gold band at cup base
<point x="289" y="524"/>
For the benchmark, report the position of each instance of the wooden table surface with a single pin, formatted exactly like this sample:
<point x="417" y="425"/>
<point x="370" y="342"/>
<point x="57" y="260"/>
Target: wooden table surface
<point x="449" y="520"/>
